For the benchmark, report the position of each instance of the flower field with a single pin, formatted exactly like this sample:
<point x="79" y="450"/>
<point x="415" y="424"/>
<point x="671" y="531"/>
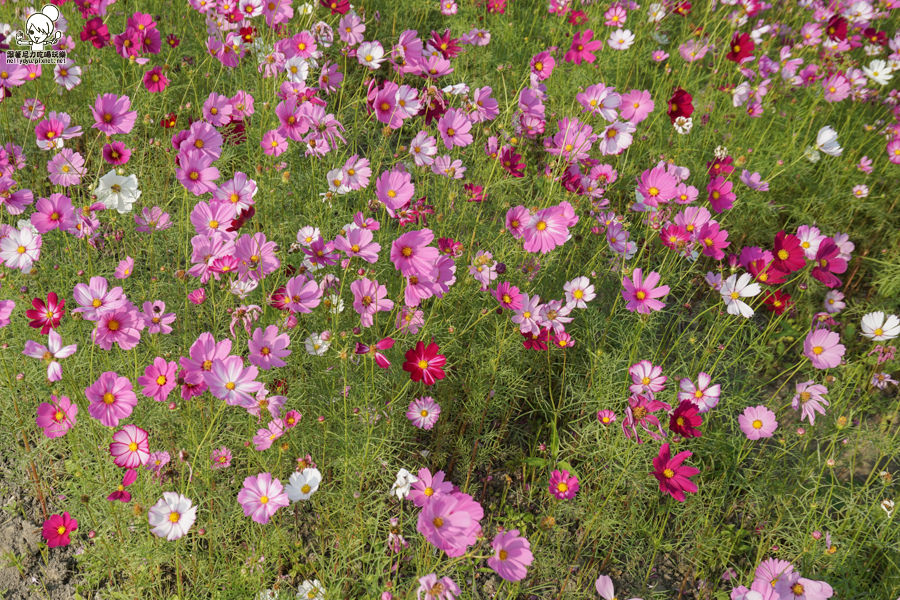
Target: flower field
<point x="462" y="299"/>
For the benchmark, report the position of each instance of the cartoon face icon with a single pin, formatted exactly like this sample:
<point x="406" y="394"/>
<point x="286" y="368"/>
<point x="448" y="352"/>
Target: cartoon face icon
<point x="40" y="29"/>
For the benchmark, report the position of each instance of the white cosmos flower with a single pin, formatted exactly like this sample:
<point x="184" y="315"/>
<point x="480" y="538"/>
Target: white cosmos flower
<point x="878" y="71"/>
<point x="315" y="345"/>
<point x="404" y="482"/>
<point x="311" y="590"/>
<point x="826" y="141"/>
<point x="297" y="69"/>
<point x="117" y="191"/>
<point x="733" y="289"/>
<point x="579" y="292"/>
<point x="303" y="484"/>
<point x="683" y="125"/>
<point x="172" y="516"/>
<point x="621" y="39"/>
<point x="880" y="327"/>
<point x="370" y="54"/>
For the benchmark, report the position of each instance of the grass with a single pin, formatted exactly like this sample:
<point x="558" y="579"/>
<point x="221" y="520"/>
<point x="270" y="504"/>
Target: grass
<point x="509" y="415"/>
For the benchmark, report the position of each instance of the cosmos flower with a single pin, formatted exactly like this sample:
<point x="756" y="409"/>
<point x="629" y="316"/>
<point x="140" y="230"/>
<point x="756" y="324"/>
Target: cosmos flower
<point x="172" y="516"/>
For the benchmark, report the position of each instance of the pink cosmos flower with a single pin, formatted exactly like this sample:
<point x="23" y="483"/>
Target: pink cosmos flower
<point x="412" y="255"/>
<point x="57" y="416"/>
<point x="358" y="242"/>
<point x="265" y="437"/>
<point x="823" y="348"/>
<point x="220" y="458"/>
<point x="230" y="381"/>
<point x="124" y="268"/>
<point x="721" y="196"/>
<point x="512" y="555"/>
<point x="120" y="325"/>
<point x="563" y="485"/>
<point x="423" y="412"/>
<point x="156" y="319"/>
<point x="583" y="48"/>
<point x="428" y="487"/>
<point x="111" y="398"/>
<point x="450" y="522"/>
<point x="454" y="127"/>
<point x="66" y="168"/>
<point x="159" y="379"/>
<point x="640" y="411"/>
<point x="121" y="494"/>
<point x="130" y="447"/>
<point x="6" y="308"/>
<point x="55" y="212"/>
<point x="375" y="351"/>
<point x="261" y="497"/>
<point x="704" y="395"/>
<point x="636" y="106"/>
<point x="111" y="114"/>
<point x="196" y="173"/>
<point x="640" y="293"/>
<point x="809" y="399"/>
<point x="673" y="476"/>
<point x="508" y="296"/>
<point x="57" y="528"/>
<point x="50" y="353"/>
<point x="95" y="297"/>
<point x="273" y="143"/>
<point x="757" y="422"/>
<point x="370" y="297"/>
<point x="430" y="585"/>
<point x="546" y="229"/>
<point x="267" y="348"/>
<point x="303" y="294"/>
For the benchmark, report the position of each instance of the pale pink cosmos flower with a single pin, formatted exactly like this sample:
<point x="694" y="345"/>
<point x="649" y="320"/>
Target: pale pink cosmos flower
<point x="261" y="497"/>
<point x="704" y="395"/>
<point x="808" y="399"/>
<point x="646" y="377"/>
<point x="51" y="353"/>
<point x="757" y="422"/>
<point x="823" y="348"/>
<point x="230" y="381"/>
<point x="370" y="297"/>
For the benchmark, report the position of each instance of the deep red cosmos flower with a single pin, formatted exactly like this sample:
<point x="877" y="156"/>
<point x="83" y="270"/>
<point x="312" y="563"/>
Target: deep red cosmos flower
<point x="46" y="316"/>
<point x="741" y="47"/>
<point x="424" y="363"/>
<point x="787" y="254"/>
<point x="680" y="105"/>
<point x="837" y="28"/>
<point x="337" y="7"/>
<point x="685" y="420"/>
<point x="777" y="302"/>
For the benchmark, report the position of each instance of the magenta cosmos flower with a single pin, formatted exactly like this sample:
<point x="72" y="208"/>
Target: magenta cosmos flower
<point x="673" y="476"/>
<point x="261" y="497"/>
<point x="823" y="348"/>
<point x="563" y="485"/>
<point x="757" y="422"/>
<point x="424" y="363"/>
<point x="583" y="48"/>
<point x="57" y="528"/>
<point x="111" y="398"/>
<point x="512" y="555"/>
<point x="111" y="114"/>
<point x="130" y="447"/>
<point x="641" y="293"/>
<point x="56" y="417"/>
<point x="159" y="379"/>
